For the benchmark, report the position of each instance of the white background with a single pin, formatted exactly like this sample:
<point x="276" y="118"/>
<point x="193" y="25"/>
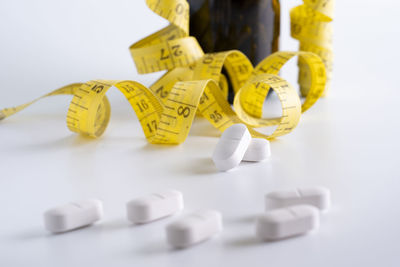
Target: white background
<point x="347" y="142"/>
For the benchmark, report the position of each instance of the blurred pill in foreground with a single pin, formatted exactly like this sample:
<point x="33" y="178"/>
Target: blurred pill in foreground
<point x="317" y="196"/>
<point x="287" y="222"/>
<point x="194" y="228"/>
<point x="73" y="215"/>
<point x="155" y="206"/>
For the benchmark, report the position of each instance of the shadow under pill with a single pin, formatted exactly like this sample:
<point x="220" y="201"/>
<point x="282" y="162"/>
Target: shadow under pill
<point x="114" y="225"/>
<point x="158" y="147"/>
<point x="242" y="220"/>
<point x="244" y="242"/>
<point x="254" y="241"/>
<point x="31" y="234"/>
<point x="201" y="166"/>
<point x="40" y="233"/>
<point x="95" y="227"/>
<point x="155" y="248"/>
<point x="68" y="142"/>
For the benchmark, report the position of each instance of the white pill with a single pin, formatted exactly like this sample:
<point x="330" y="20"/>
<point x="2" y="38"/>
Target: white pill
<point x="317" y="196"/>
<point x="231" y="147"/>
<point x="194" y="228"/>
<point x="155" y="206"/>
<point x="73" y="215"/>
<point x="287" y="222"/>
<point x="258" y="150"/>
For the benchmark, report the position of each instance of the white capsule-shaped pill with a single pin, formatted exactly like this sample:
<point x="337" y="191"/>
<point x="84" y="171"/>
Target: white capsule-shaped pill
<point x="287" y="222"/>
<point x="73" y="215"/>
<point x="194" y="228"/>
<point x="317" y="196"/>
<point x="259" y="149"/>
<point x="155" y="206"/>
<point x="231" y="147"/>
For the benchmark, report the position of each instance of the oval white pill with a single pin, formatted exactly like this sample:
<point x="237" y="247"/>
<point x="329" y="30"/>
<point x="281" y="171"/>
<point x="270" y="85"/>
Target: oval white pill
<point x="73" y="215"/>
<point x="231" y="147"/>
<point x="317" y="196"/>
<point x="155" y="206"/>
<point x="194" y="228"/>
<point x="258" y="150"/>
<point x="287" y="222"/>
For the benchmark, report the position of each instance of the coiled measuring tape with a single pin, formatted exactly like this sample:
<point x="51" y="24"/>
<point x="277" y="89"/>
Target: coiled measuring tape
<point x="193" y="84"/>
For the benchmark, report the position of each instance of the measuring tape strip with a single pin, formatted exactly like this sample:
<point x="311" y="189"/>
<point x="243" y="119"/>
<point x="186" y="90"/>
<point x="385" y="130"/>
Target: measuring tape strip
<point x="311" y="25"/>
<point x="66" y="90"/>
<point x="192" y="85"/>
<point x="170" y="47"/>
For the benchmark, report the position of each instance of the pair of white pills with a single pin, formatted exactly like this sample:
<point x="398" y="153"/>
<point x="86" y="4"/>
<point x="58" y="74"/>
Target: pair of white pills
<point x="85" y="212"/>
<point x="293" y="212"/>
<point x="189" y="230"/>
<point x="236" y="145"/>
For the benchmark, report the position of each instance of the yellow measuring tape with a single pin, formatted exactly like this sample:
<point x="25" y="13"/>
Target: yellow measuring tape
<point x="192" y="85"/>
<point x="311" y="25"/>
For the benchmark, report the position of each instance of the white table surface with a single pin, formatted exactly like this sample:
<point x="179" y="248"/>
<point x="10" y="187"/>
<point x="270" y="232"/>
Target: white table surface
<point x="347" y="142"/>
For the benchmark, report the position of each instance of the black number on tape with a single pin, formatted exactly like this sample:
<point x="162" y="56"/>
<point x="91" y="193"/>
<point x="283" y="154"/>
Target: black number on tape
<point x="175" y="49"/>
<point x="179" y="9"/>
<point x="97" y="88"/>
<point x="184" y="111"/>
<point x="160" y="91"/>
<point x="164" y="55"/>
<point x="152" y="126"/>
<point x="207" y="59"/>
<point x="216" y="116"/>
<point x="142" y="105"/>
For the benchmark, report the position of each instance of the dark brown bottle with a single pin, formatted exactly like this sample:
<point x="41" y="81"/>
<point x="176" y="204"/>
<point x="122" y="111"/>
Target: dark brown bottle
<point x="251" y="26"/>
